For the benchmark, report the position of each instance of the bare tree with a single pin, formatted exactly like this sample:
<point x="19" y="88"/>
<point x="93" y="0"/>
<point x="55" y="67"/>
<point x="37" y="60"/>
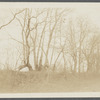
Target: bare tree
<point x="72" y="44"/>
<point x="90" y="53"/>
<point x="29" y="32"/>
<point x="77" y="34"/>
<point x="52" y="26"/>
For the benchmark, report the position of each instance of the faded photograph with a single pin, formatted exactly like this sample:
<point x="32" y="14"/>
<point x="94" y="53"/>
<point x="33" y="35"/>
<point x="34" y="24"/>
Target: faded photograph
<point x="49" y="48"/>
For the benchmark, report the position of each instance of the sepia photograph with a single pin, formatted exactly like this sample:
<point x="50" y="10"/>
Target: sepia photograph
<point x="49" y="48"/>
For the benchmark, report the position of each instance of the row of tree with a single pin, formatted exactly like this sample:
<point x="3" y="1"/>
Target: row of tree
<point x="51" y="39"/>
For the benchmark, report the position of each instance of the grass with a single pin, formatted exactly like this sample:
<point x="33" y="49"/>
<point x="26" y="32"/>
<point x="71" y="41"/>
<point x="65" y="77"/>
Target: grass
<point x="40" y="82"/>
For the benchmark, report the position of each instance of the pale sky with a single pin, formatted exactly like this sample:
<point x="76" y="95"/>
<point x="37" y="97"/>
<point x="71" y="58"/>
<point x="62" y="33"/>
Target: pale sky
<point x="88" y="10"/>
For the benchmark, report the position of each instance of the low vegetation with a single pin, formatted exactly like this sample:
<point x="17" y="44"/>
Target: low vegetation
<point x="39" y="81"/>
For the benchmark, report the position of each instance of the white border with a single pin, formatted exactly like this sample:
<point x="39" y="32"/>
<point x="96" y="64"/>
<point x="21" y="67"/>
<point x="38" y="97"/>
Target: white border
<point x="49" y="95"/>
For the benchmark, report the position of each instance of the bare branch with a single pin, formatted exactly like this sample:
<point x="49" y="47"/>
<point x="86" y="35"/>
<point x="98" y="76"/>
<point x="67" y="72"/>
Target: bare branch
<point x="12" y="18"/>
<point x="16" y="40"/>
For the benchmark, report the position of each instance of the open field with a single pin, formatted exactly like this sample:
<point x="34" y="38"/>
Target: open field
<point x="40" y="82"/>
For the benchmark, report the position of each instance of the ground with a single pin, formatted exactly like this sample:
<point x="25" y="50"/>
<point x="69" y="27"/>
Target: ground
<point x="41" y="82"/>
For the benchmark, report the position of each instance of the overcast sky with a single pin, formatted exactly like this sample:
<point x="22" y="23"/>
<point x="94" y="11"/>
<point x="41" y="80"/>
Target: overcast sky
<point x="92" y="10"/>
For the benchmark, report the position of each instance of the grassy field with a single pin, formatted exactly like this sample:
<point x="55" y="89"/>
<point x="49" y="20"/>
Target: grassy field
<point x="41" y="82"/>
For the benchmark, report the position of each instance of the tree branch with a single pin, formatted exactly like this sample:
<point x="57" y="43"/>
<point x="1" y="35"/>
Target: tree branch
<point x="12" y="18"/>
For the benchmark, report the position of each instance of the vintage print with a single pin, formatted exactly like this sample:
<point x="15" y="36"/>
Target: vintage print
<point x="49" y="47"/>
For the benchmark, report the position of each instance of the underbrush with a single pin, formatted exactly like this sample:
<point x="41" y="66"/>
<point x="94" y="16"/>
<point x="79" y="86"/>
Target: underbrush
<point x="41" y="81"/>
